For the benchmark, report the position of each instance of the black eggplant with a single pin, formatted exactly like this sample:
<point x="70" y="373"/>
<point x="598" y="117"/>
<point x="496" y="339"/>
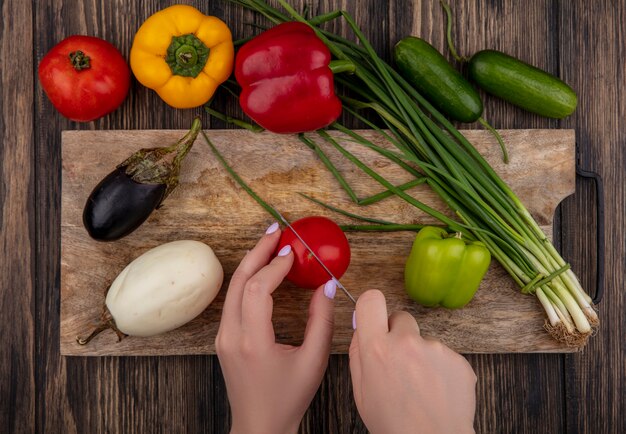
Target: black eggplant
<point x="126" y="197"/>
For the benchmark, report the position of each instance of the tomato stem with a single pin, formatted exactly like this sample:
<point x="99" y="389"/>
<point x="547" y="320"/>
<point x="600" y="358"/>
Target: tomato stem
<point x="79" y="60"/>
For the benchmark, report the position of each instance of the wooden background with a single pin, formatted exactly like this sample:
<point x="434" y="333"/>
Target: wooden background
<point x="41" y="391"/>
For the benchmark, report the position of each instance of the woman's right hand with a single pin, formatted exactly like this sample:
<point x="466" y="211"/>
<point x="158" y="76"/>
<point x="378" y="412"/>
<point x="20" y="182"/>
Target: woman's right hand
<point x="404" y="383"/>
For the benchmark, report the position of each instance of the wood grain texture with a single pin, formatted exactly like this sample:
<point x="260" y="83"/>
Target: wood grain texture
<point x="208" y="206"/>
<point x="541" y="393"/>
<point x="112" y="395"/>
<point x="17" y="223"/>
<point x="595" y="35"/>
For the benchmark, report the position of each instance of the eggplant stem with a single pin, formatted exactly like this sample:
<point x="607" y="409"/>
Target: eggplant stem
<point x="99" y="329"/>
<point x="161" y="165"/>
<point x="183" y="146"/>
<point x="107" y="323"/>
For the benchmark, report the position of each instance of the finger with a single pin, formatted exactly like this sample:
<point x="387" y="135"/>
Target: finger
<point x="403" y="323"/>
<point x="429" y="340"/>
<point x="254" y="260"/>
<point x="319" y="328"/>
<point x="371" y="316"/>
<point x="257" y="303"/>
<point x="355" y="368"/>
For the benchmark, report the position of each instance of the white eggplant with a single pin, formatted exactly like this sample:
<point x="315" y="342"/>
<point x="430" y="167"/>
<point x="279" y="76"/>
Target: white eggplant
<point x="161" y="290"/>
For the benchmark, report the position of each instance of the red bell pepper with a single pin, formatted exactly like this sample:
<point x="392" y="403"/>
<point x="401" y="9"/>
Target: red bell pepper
<point x="287" y="84"/>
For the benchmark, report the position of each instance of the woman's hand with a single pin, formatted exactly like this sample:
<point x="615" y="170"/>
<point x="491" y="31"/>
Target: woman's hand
<point x="404" y="383"/>
<point x="270" y="385"/>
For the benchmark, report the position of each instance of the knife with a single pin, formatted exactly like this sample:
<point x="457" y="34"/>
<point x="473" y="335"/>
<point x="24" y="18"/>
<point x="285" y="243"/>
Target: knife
<point x="339" y="284"/>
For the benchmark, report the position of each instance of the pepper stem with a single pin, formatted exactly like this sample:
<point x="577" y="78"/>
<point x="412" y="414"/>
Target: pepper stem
<point x="187" y="55"/>
<point x="338" y="66"/>
<point x="79" y="60"/>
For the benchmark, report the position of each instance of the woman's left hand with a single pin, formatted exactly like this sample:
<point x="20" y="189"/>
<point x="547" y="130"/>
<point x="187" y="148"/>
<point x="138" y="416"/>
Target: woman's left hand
<point x="270" y="385"/>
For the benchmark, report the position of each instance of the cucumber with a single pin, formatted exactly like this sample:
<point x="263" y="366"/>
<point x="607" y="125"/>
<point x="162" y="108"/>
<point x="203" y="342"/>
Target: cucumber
<point x="522" y="84"/>
<point x="433" y="77"/>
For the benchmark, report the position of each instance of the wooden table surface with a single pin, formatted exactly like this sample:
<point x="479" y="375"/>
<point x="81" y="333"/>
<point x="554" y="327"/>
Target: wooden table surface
<point x="583" y="42"/>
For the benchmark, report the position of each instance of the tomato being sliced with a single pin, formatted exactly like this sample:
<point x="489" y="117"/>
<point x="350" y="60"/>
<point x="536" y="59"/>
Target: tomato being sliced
<point x="328" y="242"/>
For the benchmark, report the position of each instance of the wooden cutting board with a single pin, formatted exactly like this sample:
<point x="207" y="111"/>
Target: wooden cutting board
<point x="210" y="207"/>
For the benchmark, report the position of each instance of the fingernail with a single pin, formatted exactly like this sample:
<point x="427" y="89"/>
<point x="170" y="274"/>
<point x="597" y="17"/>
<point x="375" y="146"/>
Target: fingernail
<point x="273" y="228"/>
<point x="330" y="289"/>
<point x="354" y="320"/>
<point x="285" y="250"/>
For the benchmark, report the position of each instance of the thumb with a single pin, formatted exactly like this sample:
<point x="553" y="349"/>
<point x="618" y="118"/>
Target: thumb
<point x="355" y="369"/>
<point x="319" y="329"/>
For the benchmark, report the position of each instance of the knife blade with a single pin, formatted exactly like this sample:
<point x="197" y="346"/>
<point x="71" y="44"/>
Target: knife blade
<point x="332" y="276"/>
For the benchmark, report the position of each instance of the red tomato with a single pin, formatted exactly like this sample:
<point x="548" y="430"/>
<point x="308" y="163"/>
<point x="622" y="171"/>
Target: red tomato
<point x="328" y="242"/>
<point x="84" y="77"/>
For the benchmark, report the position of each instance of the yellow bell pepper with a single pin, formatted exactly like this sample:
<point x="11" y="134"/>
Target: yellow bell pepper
<point x="183" y="55"/>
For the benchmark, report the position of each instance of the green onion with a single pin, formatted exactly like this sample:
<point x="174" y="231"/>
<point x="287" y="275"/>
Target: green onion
<point x="433" y="150"/>
<point x="381" y="228"/>
<point x="240" y="123"/>
<point x="346" y="213"/>
<point x="240" y="181"/>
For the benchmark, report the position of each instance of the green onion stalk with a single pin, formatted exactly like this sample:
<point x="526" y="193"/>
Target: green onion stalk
<point x="429" y="147"/>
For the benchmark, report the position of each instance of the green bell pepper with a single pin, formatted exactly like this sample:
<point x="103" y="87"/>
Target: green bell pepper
<point x="443" y="269"/>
